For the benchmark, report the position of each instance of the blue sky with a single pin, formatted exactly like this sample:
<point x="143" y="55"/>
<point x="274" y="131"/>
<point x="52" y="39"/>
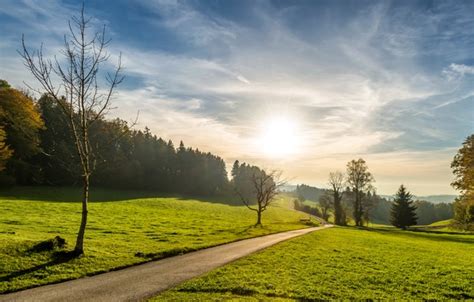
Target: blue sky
<point x="389" y="81"/>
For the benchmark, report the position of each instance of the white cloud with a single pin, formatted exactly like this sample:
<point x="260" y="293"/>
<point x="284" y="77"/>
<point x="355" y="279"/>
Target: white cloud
<point x="456" y="71"/>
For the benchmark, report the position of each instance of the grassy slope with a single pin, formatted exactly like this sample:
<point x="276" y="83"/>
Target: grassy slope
<point x="116" y="232"/>
<point x="345" y="263"/>
<point x="447" y="222"/>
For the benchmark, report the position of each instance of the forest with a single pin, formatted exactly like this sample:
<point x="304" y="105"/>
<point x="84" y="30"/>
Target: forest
<point x="38" y="149"/>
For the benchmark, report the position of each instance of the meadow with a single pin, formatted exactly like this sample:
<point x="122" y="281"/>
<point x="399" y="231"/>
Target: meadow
<point x="124" y="228"/>
<point x="344" y="264"/>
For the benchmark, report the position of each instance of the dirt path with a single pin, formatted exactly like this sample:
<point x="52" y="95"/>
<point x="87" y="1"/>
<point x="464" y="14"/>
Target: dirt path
<point x="142" y="281"/>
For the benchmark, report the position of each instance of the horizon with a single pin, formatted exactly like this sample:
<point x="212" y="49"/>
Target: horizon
<point x="303" y="86"/>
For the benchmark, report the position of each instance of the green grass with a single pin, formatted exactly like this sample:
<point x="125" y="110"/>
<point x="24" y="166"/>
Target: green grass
<point x="442" y="226"/>
<point x="344" y="264"/>
<point x="119" y="234"/>
<point x="446" y="222"/>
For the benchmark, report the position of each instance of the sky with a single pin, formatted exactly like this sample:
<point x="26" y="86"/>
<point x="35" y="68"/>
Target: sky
<point x="300" y="86"/>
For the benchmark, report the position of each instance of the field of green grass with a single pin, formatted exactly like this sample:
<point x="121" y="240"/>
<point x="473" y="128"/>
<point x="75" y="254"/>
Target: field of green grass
<point x="442" y="226"/>
<point x="442" y="223"/>
<point x="123" y="229"/>
<point x="344" y="264"/>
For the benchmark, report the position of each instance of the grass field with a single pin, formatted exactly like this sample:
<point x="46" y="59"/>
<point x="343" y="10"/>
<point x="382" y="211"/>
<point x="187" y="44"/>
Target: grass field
<point x="120" y="233"/>
<point x="345" y="264"/>
<point x="442" y="223"/>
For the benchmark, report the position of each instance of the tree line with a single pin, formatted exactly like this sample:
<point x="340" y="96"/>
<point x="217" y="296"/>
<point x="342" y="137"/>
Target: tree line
<point x="352" y="196"/>
<point x="349" y="196"/>
<point x="38" y="150"/>
<point x="427" y="212"/>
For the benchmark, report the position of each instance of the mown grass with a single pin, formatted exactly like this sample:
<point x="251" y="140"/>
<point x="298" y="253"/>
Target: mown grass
<point x="119" y="233"/>
<point x="344" y="264"/>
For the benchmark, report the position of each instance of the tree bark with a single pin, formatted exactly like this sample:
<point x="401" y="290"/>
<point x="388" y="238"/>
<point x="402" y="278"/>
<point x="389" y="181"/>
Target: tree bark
<point x="358" y="209"/>
<point x="259" y="217"/>
<point x="338" y="211"/>
<point x="79" y="249"/>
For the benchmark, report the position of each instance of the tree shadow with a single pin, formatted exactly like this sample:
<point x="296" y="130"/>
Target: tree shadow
<point x="425" y="234"/>
<point x="73" y="194"/>
<point x="250" y="227"/>
<point x="57" y="258"/>
<point x="97" y="194"/>
<point x="220" y="199"/>
<point x="434" y="231"/>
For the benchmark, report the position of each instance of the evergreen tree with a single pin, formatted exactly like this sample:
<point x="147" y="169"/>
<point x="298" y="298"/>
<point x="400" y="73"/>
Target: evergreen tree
<point x="403" y="212"/>
<point x="235" y="169"/>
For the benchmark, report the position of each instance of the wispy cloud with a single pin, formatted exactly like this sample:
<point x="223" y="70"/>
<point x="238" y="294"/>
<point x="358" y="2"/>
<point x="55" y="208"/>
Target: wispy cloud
<point x="456" y="71"/>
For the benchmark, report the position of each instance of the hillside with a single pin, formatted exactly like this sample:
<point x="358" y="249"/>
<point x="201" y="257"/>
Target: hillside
<point x="122" y="231"/>
<point x="430" y="198"/>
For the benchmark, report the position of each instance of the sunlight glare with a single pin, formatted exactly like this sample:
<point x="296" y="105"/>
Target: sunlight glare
<point x="279" y="137"/>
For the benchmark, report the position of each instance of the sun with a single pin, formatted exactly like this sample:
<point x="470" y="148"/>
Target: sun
<point x="279" y="137"/>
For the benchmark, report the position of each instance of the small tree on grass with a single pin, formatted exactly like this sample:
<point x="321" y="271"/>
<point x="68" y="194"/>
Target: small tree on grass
<point x="265" y="188"/>
<point x="73" y="84"/>
<point x="360" y="181"/>
<point x="326" y="203"/>
<point x="403" y="211"/>
<point x="336" y="183"/>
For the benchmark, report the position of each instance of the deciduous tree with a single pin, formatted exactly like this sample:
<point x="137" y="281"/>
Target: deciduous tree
<point x="463" y="169"/>
<point x="360" y="182"/>
<point x="21" y="122"/>
<point x="326" y="203"/>
<point x="5" y="152"/>
<point x="337" y="184"/>
<point x="266" y="187"/>
<point x="73" y="83"/>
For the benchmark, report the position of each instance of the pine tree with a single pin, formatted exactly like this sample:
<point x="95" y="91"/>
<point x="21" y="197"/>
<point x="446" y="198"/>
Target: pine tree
<point x="235" y="169"/>
<point x="403" y="211"/>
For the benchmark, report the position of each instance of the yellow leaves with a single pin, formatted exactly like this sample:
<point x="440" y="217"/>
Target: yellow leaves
<point x="20" y="122"/>
<point x="5" y="151"/>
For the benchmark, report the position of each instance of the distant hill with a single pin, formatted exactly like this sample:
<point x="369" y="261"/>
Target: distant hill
<point x="288" y="188"/>
<point x="309" y="192"/>
<point x="438" y="198"/>
<point x="430" y="198"/>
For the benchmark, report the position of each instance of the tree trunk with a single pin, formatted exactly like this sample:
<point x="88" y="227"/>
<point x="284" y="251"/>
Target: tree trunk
<point x="358" y="210"/>
<point x="79" y="249"/>
<point x="259" y="217"/>
<point x="337" y="211"/>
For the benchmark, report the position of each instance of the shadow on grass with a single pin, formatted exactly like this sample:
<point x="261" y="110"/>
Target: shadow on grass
<point x="73" y="194"/>
<point x="425" y="234"/>
<point x="246" y="229"/>
<point x="58" y="257"/>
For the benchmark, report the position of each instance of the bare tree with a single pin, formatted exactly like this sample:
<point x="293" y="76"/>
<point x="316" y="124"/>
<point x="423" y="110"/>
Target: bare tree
<point x="326" y="203"/>
<point x="73" y="84"/>
<point x="266" y="187"/>
<point x="360" y="181"/>
<point x="337" y="183"/>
